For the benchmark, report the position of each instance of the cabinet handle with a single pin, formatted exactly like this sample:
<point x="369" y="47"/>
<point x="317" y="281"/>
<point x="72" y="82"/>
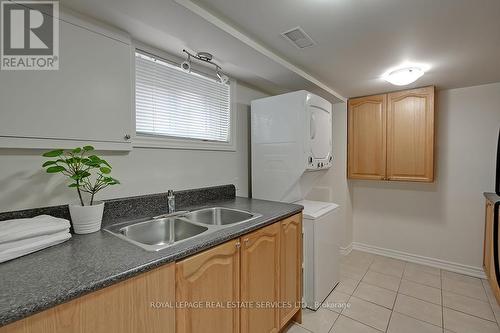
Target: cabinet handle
<point x="246" y="240"/>
<point x="238" y="245"/>
<point x="127" y="137"/>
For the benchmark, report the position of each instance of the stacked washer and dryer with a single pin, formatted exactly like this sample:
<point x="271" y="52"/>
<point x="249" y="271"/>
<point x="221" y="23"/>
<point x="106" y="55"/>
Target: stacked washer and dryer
<point x="291" y="139"/>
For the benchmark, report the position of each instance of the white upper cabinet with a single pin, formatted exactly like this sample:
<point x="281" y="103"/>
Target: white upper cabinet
<point x="88" y="100"/>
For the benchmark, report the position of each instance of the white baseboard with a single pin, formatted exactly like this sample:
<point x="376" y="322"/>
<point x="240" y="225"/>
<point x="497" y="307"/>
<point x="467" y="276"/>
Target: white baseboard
<point x="438" y="263"/>
<point x="346" y="250"/>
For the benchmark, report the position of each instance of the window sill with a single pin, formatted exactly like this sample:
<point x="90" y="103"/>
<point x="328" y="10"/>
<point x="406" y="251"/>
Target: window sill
<point x="141" y="141"/>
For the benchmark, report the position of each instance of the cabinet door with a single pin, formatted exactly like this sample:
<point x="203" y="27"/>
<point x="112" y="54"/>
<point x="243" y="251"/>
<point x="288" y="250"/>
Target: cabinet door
<point x="290" y="267"/>
<point x="367" y="137"/>
<point x="488" y="240"/>
<point x="125" y="307"/>
<point x="210" y="279"/>
<point x="260" y="262"/>
<point x="410" y="135"/>
<point x="89" y="99"/>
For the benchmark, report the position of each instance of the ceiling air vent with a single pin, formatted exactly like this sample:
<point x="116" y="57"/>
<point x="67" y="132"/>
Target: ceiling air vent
<point x="298" y="37"/>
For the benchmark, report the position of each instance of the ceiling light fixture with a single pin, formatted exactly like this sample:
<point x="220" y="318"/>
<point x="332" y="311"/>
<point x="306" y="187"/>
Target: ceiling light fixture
<point x="205" y="57"/>
<point x="404" y="76"/>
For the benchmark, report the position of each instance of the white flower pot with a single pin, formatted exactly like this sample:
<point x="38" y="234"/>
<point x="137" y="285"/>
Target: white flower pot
<point x="86" y="219"/>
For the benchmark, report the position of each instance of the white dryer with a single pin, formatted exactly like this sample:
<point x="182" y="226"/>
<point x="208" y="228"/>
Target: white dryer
<point x="291" y="134"/>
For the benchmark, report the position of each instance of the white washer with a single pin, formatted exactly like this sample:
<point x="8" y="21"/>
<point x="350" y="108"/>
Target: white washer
<point x="322" y="236"/>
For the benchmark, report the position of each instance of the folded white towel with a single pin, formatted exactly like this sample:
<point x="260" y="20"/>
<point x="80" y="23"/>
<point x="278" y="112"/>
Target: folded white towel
<point x="20" y="248"/>
<point x="17" y="229"/>
<point x="22" y="243"/>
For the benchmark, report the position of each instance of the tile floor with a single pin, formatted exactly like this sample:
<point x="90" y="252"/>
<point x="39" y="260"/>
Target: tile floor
<point x="379" y="294"/>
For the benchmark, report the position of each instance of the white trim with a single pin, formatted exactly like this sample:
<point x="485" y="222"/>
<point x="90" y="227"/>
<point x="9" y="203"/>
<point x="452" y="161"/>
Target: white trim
<point x="208" y="16"/>
<point x="48" y="143"/>
<point x="433" y="262"/>
<point x="346" y="250"/>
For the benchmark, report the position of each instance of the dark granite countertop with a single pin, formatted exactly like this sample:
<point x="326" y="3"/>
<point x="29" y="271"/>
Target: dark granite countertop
<point x="90" y="262"/>
<point x="493" y="197"/>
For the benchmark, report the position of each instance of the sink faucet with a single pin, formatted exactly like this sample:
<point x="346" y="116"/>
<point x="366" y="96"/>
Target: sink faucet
<point x="171" y="201"/>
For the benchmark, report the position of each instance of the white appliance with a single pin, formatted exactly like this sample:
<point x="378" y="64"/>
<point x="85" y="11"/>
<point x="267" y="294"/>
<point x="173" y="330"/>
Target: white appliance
<point x="322" y="237"/>
<point x="292" y="136"/>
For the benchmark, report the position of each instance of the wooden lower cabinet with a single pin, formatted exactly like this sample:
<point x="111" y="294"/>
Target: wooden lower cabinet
<point x="209" y="279"/>
<point x="126" y="307"/>
<point x="260" y="280"/>
<point x="259" y="275"/>
<point x="488" y="241"/>
<point x="488" y="256"/>
<point x="290" y="267"/>
<point x="231" y="288"/>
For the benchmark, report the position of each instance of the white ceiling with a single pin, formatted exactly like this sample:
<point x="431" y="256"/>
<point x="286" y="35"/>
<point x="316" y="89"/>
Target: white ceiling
<point x="170" y="27"/>
<point x="359" y="40"/>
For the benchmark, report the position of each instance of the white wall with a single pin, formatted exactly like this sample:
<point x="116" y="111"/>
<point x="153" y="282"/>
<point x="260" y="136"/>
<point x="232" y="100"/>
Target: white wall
<point x="23" y="183"/>
<point x="444" y="220"/>
<point x="332" y="186"/>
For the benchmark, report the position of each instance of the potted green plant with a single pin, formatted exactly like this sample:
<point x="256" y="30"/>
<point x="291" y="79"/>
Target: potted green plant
<point x="89" y="174"/>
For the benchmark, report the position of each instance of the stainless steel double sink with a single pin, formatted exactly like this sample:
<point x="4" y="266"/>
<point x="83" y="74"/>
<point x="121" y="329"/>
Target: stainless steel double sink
<point x="161" y="232"/>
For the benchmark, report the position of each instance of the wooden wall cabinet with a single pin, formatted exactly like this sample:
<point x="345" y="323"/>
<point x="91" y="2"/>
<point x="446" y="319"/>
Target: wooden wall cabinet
<point x="391" y="136"/>
<point x="367" y="137"/>
<point x="122" y="308"/>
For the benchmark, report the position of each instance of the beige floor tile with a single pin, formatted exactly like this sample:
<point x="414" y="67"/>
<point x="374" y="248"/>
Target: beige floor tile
<point x="368" y="313"/>
<point x="294" y="328"/>
<point x="487" y="289"/>
<point x="352" y="272"/>
<point x="336" y="301"/>
<point x="388" y="266"/>
<point x="422" y="277"/>
<point x="423" y="268"/>
<point x="403" y="324"/>
<point x="357" y="262"/>
<point x="492" y="300"/>
<point x="382" y="280"/>
<point x="320" y="321"/>
<point x="468" y="305"/>
<point x="347" y="286"/>
<point x="347" y="325"/>
<point x="419" y="309"/>
<point x="459" y="322"/>
<point x="420" y="291"/>
<point x="356" y="255"/>
<point x="461" y="277"/>
<point x="375" y="294"/>
<point x="496" y="310"/>
<point x="464" y="288"/>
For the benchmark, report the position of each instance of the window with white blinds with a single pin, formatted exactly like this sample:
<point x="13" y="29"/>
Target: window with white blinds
<point x="172" y="103"/>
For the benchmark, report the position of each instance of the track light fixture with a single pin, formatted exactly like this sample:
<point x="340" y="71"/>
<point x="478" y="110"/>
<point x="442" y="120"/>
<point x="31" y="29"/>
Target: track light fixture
<point x="205" y="57"/>
<point x="186" y="65"/>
